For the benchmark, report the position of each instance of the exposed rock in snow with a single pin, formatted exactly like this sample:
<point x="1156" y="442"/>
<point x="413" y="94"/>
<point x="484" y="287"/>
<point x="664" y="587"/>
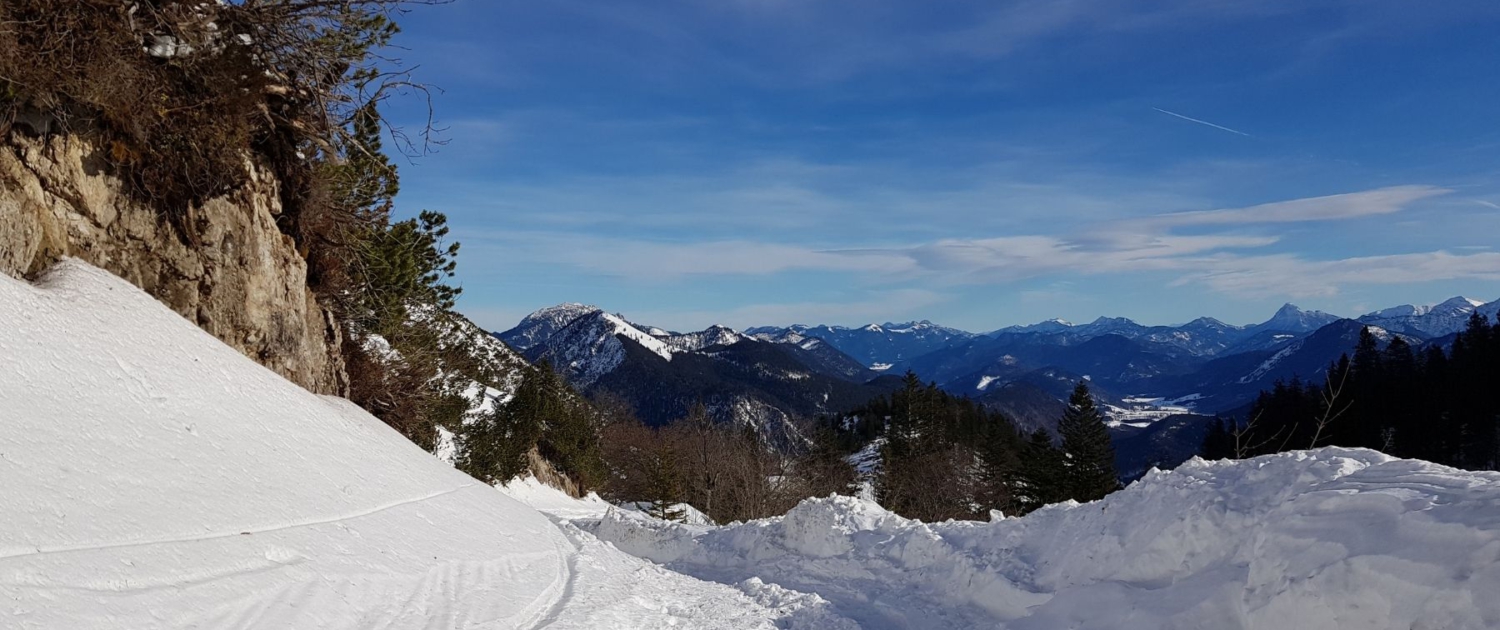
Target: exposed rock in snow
<point x="693" y="342"/>
<point x="237" y="277"/>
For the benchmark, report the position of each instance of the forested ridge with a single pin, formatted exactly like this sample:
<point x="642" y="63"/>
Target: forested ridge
<point x="1432" y="403"/>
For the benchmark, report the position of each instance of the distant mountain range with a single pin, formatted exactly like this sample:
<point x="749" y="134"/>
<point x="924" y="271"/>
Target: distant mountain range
<point x="768" y="376"/>
<point x="662" y="374"/>
<point x="877" y="346"/>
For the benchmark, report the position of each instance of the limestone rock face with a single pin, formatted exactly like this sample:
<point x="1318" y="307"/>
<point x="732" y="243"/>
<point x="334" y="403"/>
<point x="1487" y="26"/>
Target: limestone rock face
<point x="234" y="274"/>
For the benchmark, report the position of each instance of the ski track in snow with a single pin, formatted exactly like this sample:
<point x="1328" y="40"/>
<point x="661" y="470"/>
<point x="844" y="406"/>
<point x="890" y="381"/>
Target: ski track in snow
<point x="120" y="420"/>
<point x="230" y="534"/>
<point x="152" y="477"/>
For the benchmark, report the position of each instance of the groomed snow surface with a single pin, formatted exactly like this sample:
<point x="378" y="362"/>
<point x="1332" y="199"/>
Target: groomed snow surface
<point x="153" y="478"/>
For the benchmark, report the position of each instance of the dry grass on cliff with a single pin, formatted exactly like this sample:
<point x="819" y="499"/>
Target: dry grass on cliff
<point x="176" y="126"/>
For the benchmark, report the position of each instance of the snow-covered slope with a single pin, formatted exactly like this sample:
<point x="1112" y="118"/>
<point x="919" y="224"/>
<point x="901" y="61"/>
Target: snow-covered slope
<point x="1290" y="318"/>
<point x="1436" y="320"/>
<point x="591" y="346"/>
<point x="152" y="477"/>
<point x="695" y="341"/>
<point x="537" y="327"/>
<point x="1327" y="539"/>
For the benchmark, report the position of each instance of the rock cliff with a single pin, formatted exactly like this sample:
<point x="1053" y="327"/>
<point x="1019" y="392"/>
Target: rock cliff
<point x="226" y="266"/>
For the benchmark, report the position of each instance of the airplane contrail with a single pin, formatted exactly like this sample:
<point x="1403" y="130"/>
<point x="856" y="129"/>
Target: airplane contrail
<point x="1202" y="122"/>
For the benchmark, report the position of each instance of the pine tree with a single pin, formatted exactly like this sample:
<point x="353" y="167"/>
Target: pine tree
<point x="664" y="486"/>
<point x="999" y="453"/>
<point x="570" y="435"/>
<point x="1090" y="456"/>
<point x="1041" y="477"/>
<point x="1219" y="442"/>
<point x="494" y="449"/>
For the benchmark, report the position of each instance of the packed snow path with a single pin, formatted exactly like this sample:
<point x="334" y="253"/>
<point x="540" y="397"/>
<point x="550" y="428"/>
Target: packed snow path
<point x="151" y="477"/>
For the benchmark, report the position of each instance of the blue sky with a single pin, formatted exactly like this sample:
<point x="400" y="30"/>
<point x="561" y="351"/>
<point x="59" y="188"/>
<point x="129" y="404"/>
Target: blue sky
<point x="979" y="164"/>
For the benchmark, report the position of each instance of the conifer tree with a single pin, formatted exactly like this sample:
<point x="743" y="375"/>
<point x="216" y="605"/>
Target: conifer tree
<point x="494" y="449"/>
<point x="1219" y="442"/>
<point x="1090" y="457"/>
<point x="664" y="486"/>
<point x="1041" y="478"/>
<point x="570" y="435"/>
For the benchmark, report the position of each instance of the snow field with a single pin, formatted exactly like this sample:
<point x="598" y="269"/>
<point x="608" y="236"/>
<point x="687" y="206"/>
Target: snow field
<point x="152" y="477"/>
<point x="1326" y="539"/>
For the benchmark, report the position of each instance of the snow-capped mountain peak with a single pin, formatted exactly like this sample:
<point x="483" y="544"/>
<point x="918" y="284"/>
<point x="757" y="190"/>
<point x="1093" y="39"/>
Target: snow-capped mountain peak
<point x="1291" y="318"/>
<point x="1049" y="326"/>
<point x="591" y="346"/>
<point x="1436" y="320"/>
<point x="538" y="326"/>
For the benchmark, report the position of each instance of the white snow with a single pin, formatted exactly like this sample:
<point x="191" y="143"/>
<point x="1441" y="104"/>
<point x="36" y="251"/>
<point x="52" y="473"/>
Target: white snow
<point x="622" y="327"/>
<point x="881" y="367"/>
<point x="1435" y="320"/>
<point x="985" y="381"/>
<point x="1142" y="411"/>
<point x="1269" y="364"/>
<point x="152" y="477"/>
<point x="1326" y="539"/>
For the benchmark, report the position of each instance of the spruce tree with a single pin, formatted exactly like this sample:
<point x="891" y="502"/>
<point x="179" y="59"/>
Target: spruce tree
<point x="494" y="448"/>
<point x="1090" y="457"/>
<point x="1219" y="442"/>
<point x="1041" y="478"/>
<point x="664" y="486"/>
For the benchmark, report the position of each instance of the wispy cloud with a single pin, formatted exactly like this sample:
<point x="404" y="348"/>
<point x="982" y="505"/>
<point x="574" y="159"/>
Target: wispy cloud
<point x="1202" y="122"/>
<point x="1354" y="205"/>
<point x="1222" y="262"/>
<point x="1294" y="276"/>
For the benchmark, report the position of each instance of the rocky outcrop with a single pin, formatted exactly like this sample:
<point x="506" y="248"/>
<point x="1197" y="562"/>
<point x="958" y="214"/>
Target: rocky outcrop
<point x="233" y="273"/>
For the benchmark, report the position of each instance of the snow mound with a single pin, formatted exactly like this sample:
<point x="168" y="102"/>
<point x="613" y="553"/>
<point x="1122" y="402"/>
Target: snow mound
<point x="152" y="477"/>
<point x="1332" y="538"/>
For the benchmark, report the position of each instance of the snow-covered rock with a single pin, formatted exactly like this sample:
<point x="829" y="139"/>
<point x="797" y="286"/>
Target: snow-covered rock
<point x="539" y="326"/>
<point x="1290" y="318"/>
<point x="591" y="347"/>
<point x="1447" y="317"/>
<point x="695" y="341"/>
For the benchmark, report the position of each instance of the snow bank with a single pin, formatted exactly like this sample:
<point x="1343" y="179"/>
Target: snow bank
<point x="1332" y="538"/>
<point x="152" y="477"/>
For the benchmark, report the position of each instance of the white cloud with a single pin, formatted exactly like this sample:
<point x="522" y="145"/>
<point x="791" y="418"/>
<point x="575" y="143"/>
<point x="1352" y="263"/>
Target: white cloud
<point x="1290" y="275"/>
<point x="1216" y="261"/>
<point x="1327" y="208"/>
<point x="664" y="261"/>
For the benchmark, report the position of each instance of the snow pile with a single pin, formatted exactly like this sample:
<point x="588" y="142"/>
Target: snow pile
<point x="152" y="477"/>
<point x="1332" y="538"/>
